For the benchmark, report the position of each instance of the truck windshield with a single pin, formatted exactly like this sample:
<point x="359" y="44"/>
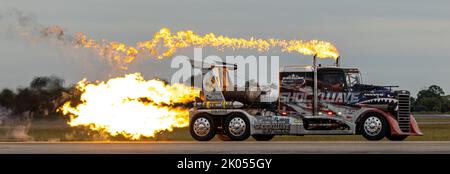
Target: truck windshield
<point x="353" y="79"/>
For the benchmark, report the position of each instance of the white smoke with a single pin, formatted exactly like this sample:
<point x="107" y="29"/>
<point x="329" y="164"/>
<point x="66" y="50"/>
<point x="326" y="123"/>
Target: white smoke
<point x="29" y="48"/>
<point x="15" y="128"/>
<point x="15" y="23"/>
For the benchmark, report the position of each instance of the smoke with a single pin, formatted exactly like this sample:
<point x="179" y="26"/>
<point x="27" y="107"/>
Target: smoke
<point x="17" y="25"/>
<point x="29" y="48"/>
<point x="16" y="128"/>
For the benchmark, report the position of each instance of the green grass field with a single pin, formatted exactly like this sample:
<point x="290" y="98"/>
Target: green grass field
<point x="58" y="130"/>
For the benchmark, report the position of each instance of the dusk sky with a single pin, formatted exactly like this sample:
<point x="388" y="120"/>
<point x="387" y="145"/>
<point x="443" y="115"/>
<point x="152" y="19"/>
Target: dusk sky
<point x="405" y="43"/>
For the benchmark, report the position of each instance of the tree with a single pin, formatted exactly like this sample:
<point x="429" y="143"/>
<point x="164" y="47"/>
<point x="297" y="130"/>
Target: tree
<point x="51" y="83"/>
<point x="25" y="100"/>
<point x="47" y="90"/>
<point x="430" y="104"/>
<point x="432" y="99"/>
<point x="445" y="104"/>
<point x="7" y="98"/>
<point x="432" y="91"/>
<point x="412" y="101"/>
<point x="436" y="90"/>
<point x="42" y="98"/>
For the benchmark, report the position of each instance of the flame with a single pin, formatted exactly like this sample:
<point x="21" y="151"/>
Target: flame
<point x="130" y="106"/>
<point x="165" y="44"/>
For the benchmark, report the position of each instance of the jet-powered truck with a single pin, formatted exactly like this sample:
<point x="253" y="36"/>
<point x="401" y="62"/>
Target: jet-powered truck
<point x="313" y="100"/>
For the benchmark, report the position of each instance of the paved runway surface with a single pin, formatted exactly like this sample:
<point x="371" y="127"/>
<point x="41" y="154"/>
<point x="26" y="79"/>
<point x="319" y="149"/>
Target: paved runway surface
<point x="247" y="147"/>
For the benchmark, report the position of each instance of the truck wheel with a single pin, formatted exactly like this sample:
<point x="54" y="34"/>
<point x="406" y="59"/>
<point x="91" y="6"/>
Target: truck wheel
<point x="237" y="127"/>
<point x="396" y="137"/>
<point x="202" y="127"/>
<point x="373" y="127"/>
<point x="261" y="137"/>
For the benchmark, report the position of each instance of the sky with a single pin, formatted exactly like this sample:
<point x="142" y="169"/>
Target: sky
<point x="403" y="42"/>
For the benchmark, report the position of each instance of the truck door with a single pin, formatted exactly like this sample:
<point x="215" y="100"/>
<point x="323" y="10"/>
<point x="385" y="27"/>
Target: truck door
<point x="296" y="93"/>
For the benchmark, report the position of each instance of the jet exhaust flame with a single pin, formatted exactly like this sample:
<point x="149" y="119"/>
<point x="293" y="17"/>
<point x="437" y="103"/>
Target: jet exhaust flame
<point x="165" y="44"/>
<point x="131" y="106"/>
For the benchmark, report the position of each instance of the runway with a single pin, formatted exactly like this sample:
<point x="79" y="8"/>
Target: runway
<point x="218" y="147"/>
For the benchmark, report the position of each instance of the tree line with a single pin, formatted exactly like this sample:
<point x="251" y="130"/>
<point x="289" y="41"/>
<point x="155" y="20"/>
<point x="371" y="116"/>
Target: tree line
<point x="432" y="99"/>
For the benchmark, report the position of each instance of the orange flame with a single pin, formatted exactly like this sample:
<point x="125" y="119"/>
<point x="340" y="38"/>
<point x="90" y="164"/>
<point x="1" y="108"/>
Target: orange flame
<point x="130" y="106"/>
<point x="164" y="44"/>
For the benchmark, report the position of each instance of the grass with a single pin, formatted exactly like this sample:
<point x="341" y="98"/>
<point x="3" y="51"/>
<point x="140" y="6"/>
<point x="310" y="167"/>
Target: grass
<point x="430" y="113"/>
<point x="58" y="130"/>
<point x="432" y="120"/>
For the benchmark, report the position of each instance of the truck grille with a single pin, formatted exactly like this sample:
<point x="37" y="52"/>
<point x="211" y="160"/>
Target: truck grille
<point x="403" y="112"/>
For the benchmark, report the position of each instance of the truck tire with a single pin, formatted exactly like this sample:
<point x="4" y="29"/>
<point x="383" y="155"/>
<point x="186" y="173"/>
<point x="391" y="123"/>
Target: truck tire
<point x="202" y="127"/>
<point x="396" y="137"/>
<point x="261" y="137"/>
<point x="237" y="127"/>
<point x="373" y="127"/>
